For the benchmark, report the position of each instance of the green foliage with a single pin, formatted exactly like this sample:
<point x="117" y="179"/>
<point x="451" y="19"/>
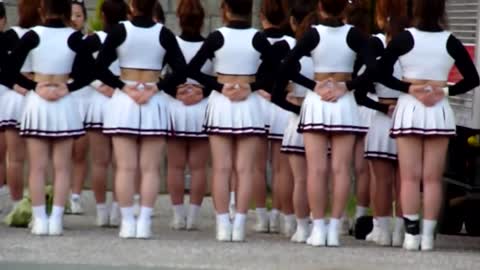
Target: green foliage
<point x="95" y="22"/>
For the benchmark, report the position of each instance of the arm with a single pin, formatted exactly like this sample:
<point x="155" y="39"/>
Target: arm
<point x="270" y="56"/>
<point x="399" y="46"/>
<point x="358" y="43"/>
<point x="16" y="59"/>
<point x="288" y="69"/>
<point x="82" y="74"/>
<point x="465" y="65"/>
<point x="108" y="54"/>
<point x="213" y="42"/>
<point x="363" y="100"/>
<point x="174" y="58"/>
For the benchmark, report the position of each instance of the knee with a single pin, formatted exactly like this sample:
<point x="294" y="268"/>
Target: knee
<point x="79" y="155"/>
<point x="431" y="177"/>
<point x="319" y="170"/>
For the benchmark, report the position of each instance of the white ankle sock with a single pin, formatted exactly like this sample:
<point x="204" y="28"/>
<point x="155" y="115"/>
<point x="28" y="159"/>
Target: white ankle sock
<point x="145" y="213"/>
<point x="232" y="198"/>
<point x="101" y="207"/>
<point x="302" y="223"/>
<point x="128" y="214"/>
<point x="57" y="212"/>
<point x="223" y="219"/>
<point x="319" y="224"/>
<point x="114" y="205"/>
<point x="193" y="211"/>
<point x="136" y="198"/>
<point x="179" y="210"/>
<point x="412" y="217"/>
<point x="75" y="196"/>
<point x="384" y="223"/>
<point x="360" y="211"/>
<point x="239" y="220"/>
<point x="39" y="212"/>
<point x="289" y="218"/>
<point x="333" y="224"/>
<point x="428" y="227"/>
<point x="261" y="212"/>
<point x="274" y="213"/>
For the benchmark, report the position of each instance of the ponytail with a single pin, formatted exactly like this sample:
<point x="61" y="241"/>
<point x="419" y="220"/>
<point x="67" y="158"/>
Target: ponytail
<point x="191" y="14"/>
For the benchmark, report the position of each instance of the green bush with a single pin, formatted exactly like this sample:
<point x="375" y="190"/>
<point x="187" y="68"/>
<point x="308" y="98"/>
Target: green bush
<point x="95" y="22"/>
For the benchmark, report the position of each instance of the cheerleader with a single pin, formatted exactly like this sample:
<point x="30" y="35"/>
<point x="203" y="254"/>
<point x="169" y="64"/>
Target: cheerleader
<point x="49" y="119"/>
<point x="329" y="114"/>
<point x="234" y="119"/>
<point x="292" y="143"/>
<point x="80" y="147"/>
<point x="423" y="120"/>
<point x="113" y="12"/>
<point x="188" y="145"/>
<point x="273" y="16"/>
<point x="137" y="115"/>
<point x="357" y="14"/>
<point x="12" y="101"/>
<point x="381" y="149"/>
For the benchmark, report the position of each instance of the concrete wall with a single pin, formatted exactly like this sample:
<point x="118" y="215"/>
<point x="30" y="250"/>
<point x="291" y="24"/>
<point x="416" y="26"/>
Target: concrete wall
<point x="212" y="8"/>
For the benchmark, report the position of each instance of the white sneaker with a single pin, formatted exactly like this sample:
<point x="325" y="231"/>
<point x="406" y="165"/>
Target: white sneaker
<point x="384" y="238"/>
<point x="102" y="218"/>
<point x="144" y="229"/>
<point x="178" y="222"/>
<point x="373" y="235"/>
<point x="115" y="216"/>
<point x="318" y="237"/>
<point x="192" y="223"/>
<point x="262" y="225"/>
<point x="300" y="235"/>
<point x="238" y="234"/>
<point x="428" y="243"/>
<point x="128" y="229"/>
<point x="289" y="228"/>
<point x="333" y="238"/>
<point x="411" y="242"/>
<point x="76" y="207"/>
<point x="224" y="232"/>
<point x="39" y="226"/>
<point x="397" y="238"/>
<point x="274" y="223"/>
<point x="55" y="226"/>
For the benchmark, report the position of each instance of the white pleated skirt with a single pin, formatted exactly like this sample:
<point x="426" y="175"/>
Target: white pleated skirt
<point x="292" y="142"/>
<point x="187" y="121"/>
<point x="341" y="116"/>
<point x="367" y="114"/>
<point x="50" y="119"/>
<point x="123" y="116"/>
<point x="411" y="117"/>
<point x="225" y="117"/>
<point x="11" y="104"/>
<point x="266" y="107"/>
<point x="379" y="144"/>
<point x="95" y="111"/>
<point x="83" y="98"/>
<point x="279" y="119"/>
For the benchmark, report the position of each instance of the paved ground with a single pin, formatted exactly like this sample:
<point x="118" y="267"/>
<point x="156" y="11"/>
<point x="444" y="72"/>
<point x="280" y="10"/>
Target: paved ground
<point x="86" y="247"/>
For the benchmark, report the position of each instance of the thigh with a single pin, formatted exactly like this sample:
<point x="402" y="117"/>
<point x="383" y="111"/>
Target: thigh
<point x="100" y="146"/>
<point x="342" y="150"/>
<point x="316" y="150"/>
<point x="80" y="147"/>
<point x="360" y="162"/>
<point x="125" y="149"/>
<point x="410" y="156"/>
<point x="298" y="164"/>
<point x="15" y="143"/>
<point x="152" y="151"/>
<point x="245" y="150"/>
<point x="434" y="157"/>
<point x="62" y="153"/>
<point x="38" y="151"/>
<point x="222" y="149"/>
<point x="198" y="153"/>
<point x="177" y="152"/>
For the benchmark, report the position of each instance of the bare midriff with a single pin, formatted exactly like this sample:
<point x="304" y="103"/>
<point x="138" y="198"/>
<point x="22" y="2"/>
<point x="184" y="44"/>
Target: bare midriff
<point x="29" y="75"/>
<point x="339" y="77"/>
<point x="388" y="101"/>
<point x="140" y="75"/>
<point x="235" y="79"/>
<point x="51" y="78"/>
<point x="426" y="82"/>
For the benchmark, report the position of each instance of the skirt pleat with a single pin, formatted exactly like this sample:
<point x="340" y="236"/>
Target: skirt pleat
<point x="95" y="114"/>
<point x="292" y="142"/>
<point x="379" y="144"/>
<point x="11" y="104"/>
<point x="187" y="121"/>
<point x="279" y="119"/>
<point x="245" y="117"/>
<point x="341" y="116"/>
<point x="411" y="117"/>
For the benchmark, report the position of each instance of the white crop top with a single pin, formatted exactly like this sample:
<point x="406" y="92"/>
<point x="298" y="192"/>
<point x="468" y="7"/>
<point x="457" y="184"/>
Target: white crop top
<point x="333" y="54"/>
<point x="429" y="58"/>
<point x="141" y="48"/>
<point x="50" y="58"/>
<point x="381" y="90"/>
<point x="237" y="56"/>
<point x="189" y="50"/>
